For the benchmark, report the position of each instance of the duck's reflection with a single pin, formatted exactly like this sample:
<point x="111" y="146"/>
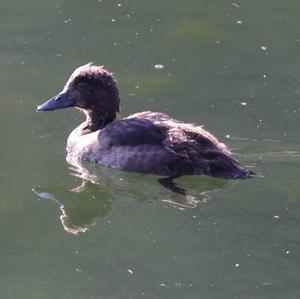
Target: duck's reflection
<point x="99" y="187"/>
<point x="79" y="209"/>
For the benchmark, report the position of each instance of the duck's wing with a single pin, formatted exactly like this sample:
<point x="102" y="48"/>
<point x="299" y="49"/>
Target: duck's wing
<point x="193" y="158"/>
<point x="199" y="152"/>
<point x="133" y="132"/>
<point x="166" y="147"/>
<point x="135" y="144"/>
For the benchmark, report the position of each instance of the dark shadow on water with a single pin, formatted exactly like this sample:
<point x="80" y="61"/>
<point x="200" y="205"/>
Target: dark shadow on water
<point x="99" y="187"/>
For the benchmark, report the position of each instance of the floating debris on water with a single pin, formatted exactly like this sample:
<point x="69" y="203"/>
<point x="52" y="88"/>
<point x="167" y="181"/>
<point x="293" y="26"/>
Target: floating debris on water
<point x="264" y="48"/>
<point x="159" y="66"/>
<point x="130" y="271"/>
<point x="67" y="20"/>
<point x="244" y="104"/>
<point x="266" y="283"/>
<point x="235" y="5"/>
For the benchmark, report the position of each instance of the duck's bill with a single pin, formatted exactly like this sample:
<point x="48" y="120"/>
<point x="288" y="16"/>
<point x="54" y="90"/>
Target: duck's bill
<point x="62" y="100"/>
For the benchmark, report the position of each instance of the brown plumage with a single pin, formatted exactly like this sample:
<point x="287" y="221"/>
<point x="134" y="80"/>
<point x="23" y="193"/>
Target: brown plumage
<point x="150" y="142"/>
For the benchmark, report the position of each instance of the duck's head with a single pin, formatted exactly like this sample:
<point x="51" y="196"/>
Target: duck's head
<point x="90" y="88"/>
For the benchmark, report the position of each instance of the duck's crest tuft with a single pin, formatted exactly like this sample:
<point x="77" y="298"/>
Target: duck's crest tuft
<point x="90" y="71"/>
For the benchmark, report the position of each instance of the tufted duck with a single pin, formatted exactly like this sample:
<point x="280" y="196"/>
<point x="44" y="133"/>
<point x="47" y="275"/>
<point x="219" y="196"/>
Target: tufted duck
<point x="150" y="142"/>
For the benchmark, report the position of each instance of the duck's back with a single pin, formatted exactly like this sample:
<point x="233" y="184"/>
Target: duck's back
<point x="195" y="150"/>
<point x="156" y="143"/>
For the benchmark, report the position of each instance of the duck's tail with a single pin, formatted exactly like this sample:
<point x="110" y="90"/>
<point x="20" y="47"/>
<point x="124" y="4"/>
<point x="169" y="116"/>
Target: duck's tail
<point x="223" y="166"/>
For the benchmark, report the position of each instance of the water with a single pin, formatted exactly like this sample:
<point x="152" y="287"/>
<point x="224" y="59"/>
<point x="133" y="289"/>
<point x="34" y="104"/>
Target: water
<point x="82" y="231"/>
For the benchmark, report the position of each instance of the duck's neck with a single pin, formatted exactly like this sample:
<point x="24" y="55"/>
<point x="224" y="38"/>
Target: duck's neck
<point x="96" y="121"/>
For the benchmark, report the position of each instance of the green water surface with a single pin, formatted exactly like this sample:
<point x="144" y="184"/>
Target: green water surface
<point x="86" y="232"/>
